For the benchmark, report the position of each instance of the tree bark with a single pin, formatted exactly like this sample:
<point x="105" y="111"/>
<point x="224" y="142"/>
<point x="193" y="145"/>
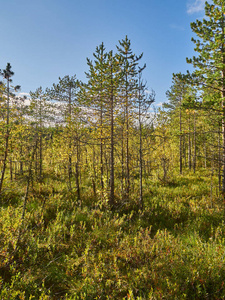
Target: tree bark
<point x="180" y="146"/>
<point x="6" y="140"/>
<point x="112" y="196"/>
<point x="189" y="142"/>
<point x="194" y="155"/>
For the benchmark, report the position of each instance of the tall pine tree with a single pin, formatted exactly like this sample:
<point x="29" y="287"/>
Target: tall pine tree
<point x="210" y="63"/>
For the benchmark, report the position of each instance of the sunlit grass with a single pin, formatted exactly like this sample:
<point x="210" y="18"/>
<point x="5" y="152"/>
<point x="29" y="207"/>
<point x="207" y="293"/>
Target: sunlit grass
<point x="171" y="249"/>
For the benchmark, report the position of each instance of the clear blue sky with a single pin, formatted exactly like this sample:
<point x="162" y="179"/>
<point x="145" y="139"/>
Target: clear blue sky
<point x="45" y="39"/>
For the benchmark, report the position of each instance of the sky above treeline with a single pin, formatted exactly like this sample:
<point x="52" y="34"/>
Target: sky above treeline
<point x="47" y="39"/>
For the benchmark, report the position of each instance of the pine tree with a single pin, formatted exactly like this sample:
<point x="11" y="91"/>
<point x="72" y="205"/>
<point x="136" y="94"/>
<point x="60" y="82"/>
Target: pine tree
<point x="96" y="90"/>
<point x="65" y="92"/>
<point x="113" y="82"/>
<point x="128" y="90"/>
<point x="176" y="96"/>
<point x="210" y="63"/>
<point x="39" y="116"/>
<point x="144" y="102"/>
<point x="7" y="73"/>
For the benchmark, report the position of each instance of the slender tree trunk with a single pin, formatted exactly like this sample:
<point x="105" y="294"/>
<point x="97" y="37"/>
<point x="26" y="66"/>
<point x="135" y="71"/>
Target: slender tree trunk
<point x="140" y="164"/>
<point x="189" y="143"/>
<point x="70" y="172"/>
<point x="122" y="163"/>
<point x="101" y="146"/>
<point x="127" y="140"/>
<point x="107" y="164"/>
<point x="184" y="151"/>
<point x="140" y="149"/>
<point x="4" y="159"/>
<point x="86" y="152"/>
<point x="77" y="172"/>
<point x="127" y="152"/>
<point x="21" y="162"/>
<point x="41" y="156"/>
<point x="194" y="158"/>
<point x="223" y="139"/>
<point x="94" y="173"/>
<point x="180" y="146"/>
<point x="29" y="179"/>
<point x="211" y="184"/>
<point x="112" y="196"/>
<point x="70" y="140"/>
<point x="36" y="163"/>
<point x="11" y="169"/>
<point x="223" y="117"/>
<point x="40" y="140"/>
<point x="223" y="114"/>
<point x="6" y="140"/>
<point x="205" y="148"/>
<point x="219" y="158"/>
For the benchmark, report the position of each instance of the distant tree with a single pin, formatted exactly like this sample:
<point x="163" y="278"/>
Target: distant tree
<point x="39" y="116"/>
<point x="144" y="102"/>
<point x="176" y="96"/>
<point x="7" y="73"/>
<point x="21" y="107"/>
<point x="65" y="96"/>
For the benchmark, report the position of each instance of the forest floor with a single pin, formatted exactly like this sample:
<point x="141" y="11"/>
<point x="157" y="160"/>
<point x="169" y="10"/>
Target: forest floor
<point x="173" y="248"/>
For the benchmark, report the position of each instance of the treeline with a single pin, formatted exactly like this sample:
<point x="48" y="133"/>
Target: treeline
<point x="91" y="134"/>
<point x="103" y="134"/>
<point x="197" y="98"/>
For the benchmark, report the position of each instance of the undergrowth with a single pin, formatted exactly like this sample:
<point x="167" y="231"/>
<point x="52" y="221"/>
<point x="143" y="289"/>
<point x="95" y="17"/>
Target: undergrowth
<point x="68" y="249"/>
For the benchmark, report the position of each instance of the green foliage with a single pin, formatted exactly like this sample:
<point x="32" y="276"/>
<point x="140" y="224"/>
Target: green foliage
<point x="172" y="249"/>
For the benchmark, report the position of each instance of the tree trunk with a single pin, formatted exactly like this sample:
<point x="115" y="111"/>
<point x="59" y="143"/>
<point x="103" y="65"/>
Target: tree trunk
<point x="194" y="157"/>
<point x="122" y="163"/>
<point x="223" y="141"/>
<point x="189" y="143"/>
<point x="205" y="148"/>
<point x="6" y="141"/>
<point x="41" y="156"/>
<point x="94" y="174"/>
<point x="219" y="158"/>
<point x="223" y="112"/>
<point x="77" y="173"/>
<point x="140" y="149"/>
<point x="140" y="164"/>
<point x="180" y="146"/>
<point x="70" y="139"/>
<point x="29" y="179"/>
<point x="111" y="199"/>
<point x="127" y="151"/>
<point x="101" y="144"/>
<point x="184" y="151"/>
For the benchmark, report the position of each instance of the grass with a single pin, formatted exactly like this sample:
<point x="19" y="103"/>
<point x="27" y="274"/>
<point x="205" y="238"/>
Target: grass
<point x="172" y="249"/>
